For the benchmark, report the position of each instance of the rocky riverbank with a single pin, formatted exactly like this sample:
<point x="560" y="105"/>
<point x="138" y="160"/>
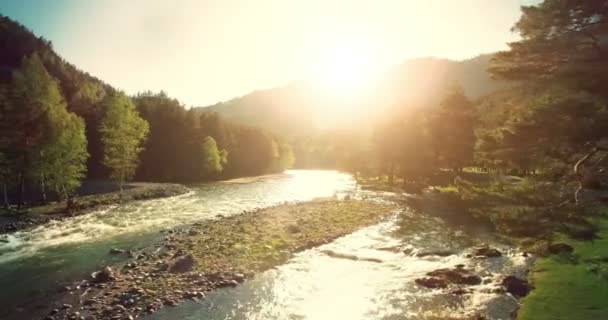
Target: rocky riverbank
<point x="192" y="261"/>
<point x="35" y="216"/>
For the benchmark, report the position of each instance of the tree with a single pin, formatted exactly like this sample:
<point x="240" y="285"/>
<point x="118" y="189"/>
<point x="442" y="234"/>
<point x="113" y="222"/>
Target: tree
<point x="452" y="130"/>
<point x="123" y="132"/>
<point x="562" y="41"/>
<point x="561" y="54"/>
<point x="5" y="171"/>
<point x="286" y="157"/>
<point x="386" y="142"/>
<point x="214" y="159"/>
<point x="30" y="99"/>
<point x="63" y="159"/>
<point x="417" y="158"/>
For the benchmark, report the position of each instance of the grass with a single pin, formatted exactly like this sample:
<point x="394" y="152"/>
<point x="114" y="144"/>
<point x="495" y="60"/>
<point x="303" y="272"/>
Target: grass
<point x="572" y="288"/>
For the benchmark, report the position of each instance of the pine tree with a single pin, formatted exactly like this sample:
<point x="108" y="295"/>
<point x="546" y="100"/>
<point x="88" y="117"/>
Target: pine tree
<point x="452" y="129"/>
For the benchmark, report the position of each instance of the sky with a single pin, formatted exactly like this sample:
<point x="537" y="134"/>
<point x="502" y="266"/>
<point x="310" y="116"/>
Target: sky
<point x="205" y="51"/>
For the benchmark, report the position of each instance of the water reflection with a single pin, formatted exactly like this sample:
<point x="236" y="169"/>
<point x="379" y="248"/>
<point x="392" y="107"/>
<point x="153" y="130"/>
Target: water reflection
<point x="205" y="201"/>
<point x="315" y="286"/>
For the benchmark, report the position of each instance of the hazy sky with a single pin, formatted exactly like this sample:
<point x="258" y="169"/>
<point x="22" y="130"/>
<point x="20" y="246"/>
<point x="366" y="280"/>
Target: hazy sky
<point x="204" y="51"/>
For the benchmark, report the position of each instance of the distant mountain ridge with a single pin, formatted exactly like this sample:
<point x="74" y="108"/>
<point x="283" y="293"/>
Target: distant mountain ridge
<point x="297" y="108"/>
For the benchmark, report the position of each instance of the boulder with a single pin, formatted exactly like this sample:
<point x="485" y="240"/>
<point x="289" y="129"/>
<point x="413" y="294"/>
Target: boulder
<point x="104" y="275"/>
<point x="559" y="248"/>
<point x="432" y="283"/>
<point x="441" y="278"/>
<point x="487" y="252"/>
<point x="516" y="286"/>
<point x="183" y="264"/>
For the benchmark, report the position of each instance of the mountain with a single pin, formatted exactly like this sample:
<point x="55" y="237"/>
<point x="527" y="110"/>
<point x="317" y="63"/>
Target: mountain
<point x="299" y="108"/>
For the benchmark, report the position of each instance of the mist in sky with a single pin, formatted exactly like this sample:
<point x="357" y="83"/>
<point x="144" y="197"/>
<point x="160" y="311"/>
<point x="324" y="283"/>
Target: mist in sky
<point x="204" y="51"/>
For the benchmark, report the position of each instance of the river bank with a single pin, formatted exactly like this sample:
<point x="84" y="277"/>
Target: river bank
<point x="94" y="197"/>
<point x="190" y="262"/>
<point x="572" y="284"/>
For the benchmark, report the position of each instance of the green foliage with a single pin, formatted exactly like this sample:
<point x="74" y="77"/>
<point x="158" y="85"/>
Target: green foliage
<point x="192" y="146"/>
<point x="213" y="158"/>
<point x="452" y="128"/>
<point x="42" y="142"/>
<point x="561" y="41"/>
<point x="123" y="132"/>
<point x="63" y="161"/>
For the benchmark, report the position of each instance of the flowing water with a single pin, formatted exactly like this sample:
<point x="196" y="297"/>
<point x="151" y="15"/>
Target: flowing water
<point x="312" y="285"/>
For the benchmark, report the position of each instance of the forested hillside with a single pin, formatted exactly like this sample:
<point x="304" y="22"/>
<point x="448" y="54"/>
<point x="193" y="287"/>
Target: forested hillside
<point x="301" y="109"/>
<point x="60" y="125"/>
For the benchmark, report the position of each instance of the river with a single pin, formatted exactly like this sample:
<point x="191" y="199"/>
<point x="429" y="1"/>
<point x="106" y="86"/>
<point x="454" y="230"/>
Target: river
<point x="311" y="285"/>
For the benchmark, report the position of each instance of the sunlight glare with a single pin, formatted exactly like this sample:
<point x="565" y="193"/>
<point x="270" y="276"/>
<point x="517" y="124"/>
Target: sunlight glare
<point x="346" y="68"/>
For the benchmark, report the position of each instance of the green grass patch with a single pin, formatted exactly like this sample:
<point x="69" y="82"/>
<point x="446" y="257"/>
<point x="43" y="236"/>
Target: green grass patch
<point x="572" y="288"/>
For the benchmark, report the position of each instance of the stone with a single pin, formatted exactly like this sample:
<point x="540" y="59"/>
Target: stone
<point x="104" y="275"/>
<point x="559" y="248"/>
<point x="183" y="264"/>
<point x="441" y="278"/>
<point x="116" y="251"/>
<point x="431" y="282"/>
<point x="516" y="286"/>
<point x="487" y="252"/>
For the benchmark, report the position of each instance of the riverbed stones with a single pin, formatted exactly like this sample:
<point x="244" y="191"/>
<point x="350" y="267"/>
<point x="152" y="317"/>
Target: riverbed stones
<point x="516" y="286"/>
<point x="116" y="251"/>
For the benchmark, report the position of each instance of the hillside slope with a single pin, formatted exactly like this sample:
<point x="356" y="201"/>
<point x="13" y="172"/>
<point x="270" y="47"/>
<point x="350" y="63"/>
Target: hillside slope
<point x="299" y="109"/>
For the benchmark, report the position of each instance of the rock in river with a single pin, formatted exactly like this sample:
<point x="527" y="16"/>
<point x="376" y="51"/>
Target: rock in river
<point x="487" y="252"/>
<point x="441" y="278"/>
<point x="516" y="286"/>
<point x="559" y="248"/>
<point x="105" y="275"/>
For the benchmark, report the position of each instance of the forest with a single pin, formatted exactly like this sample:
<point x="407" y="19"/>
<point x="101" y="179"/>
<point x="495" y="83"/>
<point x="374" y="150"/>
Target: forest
<point x="59" y="126"/>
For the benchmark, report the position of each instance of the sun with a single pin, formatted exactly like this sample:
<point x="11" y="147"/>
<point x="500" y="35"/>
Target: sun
<point x="346" y="68"/>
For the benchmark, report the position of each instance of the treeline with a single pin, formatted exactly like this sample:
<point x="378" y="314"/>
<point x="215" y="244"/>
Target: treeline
<point x="191" y="145"/>
<point x="59" y="126"/>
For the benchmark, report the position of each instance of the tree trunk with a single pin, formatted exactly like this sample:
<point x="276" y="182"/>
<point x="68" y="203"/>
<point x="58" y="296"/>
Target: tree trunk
<point x="21" y="191"/>
<point x="580" y="176"/>
<point x="5" y="194"/>
<point x="43" y="188"/>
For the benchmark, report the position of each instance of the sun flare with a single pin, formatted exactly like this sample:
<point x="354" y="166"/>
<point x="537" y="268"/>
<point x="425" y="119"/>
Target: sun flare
<point x="346" y="69"/>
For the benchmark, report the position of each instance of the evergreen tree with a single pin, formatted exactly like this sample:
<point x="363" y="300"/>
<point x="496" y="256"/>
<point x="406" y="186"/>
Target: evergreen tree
<point x="123" y="132"/>
<point x="452" y="129"/>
